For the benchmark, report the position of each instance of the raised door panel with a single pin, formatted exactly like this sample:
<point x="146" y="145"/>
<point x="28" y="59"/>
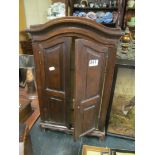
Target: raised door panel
<point x="55" y="77"/>
<point x="90" y="60"/>
<point x="53" y="68"/>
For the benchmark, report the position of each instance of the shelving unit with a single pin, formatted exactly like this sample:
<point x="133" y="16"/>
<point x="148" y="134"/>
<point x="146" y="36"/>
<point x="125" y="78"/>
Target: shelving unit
<point x="96" y="9"/>
<point x="119" y="9"/>
<point x="129" y="12"/>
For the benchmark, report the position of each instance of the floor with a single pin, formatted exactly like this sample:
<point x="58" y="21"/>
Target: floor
<point x="58" y="143"/>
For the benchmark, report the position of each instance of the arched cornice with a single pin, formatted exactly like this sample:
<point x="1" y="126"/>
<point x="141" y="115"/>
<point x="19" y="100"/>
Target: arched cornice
<point x="73" y="25"/>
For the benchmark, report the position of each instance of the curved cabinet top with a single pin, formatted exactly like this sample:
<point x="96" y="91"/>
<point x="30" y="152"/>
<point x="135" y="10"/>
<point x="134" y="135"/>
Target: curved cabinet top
<point x="74" y="26"/>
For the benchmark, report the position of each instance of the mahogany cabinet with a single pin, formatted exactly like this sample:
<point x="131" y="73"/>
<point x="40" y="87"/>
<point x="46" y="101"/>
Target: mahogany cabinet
<point x="74" y="61"/>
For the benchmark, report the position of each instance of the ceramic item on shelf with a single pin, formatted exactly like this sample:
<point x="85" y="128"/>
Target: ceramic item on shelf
<point x="76" y="5"/>
<point x="82" y="14"/>
<point x="108" y="17"/>
<point x="100" y="5"/>
<point x="84" y="3"/>
<point x="97" y="5"/>
<point x="58" y="7"/>
<point x="104" y="5"/>
<point x="91" y="5"/>
<point x="99" y="20"/>
<point x="57" y="10"/>
<point x="80" y="6"/>
<point x="76" y="13"/>
<point x="131" y="3"/>
<point x="100" y="16"/>
<point x="91" y="15"/>
<point x="110" y="3"/>
<point x="131" y="23"/>
<point x="104" y="17"/>
<point x="115" y="3"/>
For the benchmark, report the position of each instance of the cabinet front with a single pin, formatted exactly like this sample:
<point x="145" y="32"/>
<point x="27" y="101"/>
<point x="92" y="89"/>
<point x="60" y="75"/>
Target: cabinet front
<point x="90" y="62"/>
<point x="74" y="62"/>
<point x="55" y="76"/>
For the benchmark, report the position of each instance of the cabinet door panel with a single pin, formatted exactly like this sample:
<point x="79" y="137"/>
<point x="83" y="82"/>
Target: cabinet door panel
<point x="90" y="62"/>
<point x="56" y="107"/>
<point x="55" y="77"/>
<point x="53" y="67"/>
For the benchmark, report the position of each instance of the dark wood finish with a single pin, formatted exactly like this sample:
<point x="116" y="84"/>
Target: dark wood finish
<point x="54" y="83"/>
<point x="121" y="12"/>
<point x="63" y="49"/>
<point x="88" y="85"/>
<point x="53" y="127"/>
<point x="107" y="87"/>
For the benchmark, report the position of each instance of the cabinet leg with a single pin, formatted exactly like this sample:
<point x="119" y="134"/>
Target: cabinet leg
<point x="101" y="138"/>
<point x="42" y="128"/>
<point x="67" y="132"/>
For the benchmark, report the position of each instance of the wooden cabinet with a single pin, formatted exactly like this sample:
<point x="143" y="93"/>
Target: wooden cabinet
<point x="74" y="68"/>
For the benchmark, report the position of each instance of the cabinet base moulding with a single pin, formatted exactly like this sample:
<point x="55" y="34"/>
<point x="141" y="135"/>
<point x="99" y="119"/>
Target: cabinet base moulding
<point x="61" y="128"/>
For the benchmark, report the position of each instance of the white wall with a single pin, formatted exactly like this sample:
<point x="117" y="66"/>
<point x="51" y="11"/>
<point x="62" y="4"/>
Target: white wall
<point x="36" y="11"/>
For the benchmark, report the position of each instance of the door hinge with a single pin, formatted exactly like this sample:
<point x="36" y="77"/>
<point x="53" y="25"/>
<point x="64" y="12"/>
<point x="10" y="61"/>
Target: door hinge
<point x="73" y="103"/>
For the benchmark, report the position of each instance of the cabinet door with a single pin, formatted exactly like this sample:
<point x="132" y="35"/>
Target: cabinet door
<point x="55" y="77"/>
<point x="90" y="67"/>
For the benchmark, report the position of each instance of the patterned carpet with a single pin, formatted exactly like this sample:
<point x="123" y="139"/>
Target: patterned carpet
<point x="58" y="143"/>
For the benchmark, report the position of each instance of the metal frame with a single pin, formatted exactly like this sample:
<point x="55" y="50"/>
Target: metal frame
<point x="120" y="63"/>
